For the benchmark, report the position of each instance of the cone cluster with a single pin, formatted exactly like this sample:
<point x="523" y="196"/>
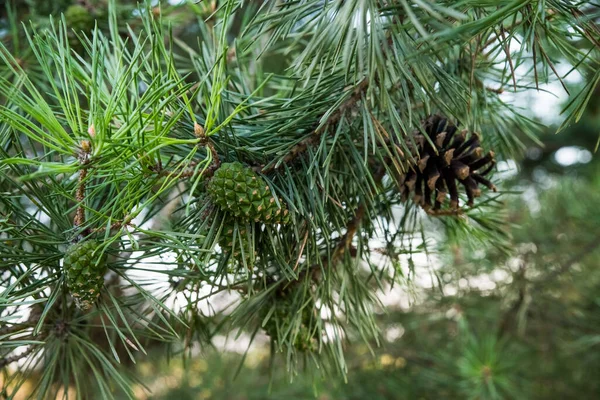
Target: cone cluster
<point x="85" y="267"/>
<point x="241" y="192"/>
<point x="447" y="158"/>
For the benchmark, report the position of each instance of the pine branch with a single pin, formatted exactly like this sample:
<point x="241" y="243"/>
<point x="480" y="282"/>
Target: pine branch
<point x="8" y="360"/>
<point x="330" y="122"/>
<point x="9" y="330"/>
<point x="345" y="242"/>
<point x="34" y="317"/>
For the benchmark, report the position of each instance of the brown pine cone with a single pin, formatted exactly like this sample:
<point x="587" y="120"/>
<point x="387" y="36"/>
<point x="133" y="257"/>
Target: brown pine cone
<point x="446" y="156"/>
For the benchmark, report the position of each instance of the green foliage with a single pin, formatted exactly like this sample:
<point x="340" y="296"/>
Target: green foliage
<point x="175" y="136"/>
<point x="236" y="238"/>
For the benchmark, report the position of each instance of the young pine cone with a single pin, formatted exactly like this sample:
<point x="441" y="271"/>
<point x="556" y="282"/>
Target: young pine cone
<point x="282" y="324"/>
<point x="85" y="266"/>
<point x="447" y="156"/>
<point x="241" y="192"/>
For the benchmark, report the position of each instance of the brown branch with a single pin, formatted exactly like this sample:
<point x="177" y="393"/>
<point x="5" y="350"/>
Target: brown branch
<point x="84" y="159"/>
<point x="206" y="142"/>
<point x="441" y="213"/>
<point x="189" y="170"/>
<point x="34" y="318"/>
<point x="339" y="249"/>
<point x="117" y="225"/>
<point x="301" y="249"/>
<point x="332" y="120"/>
<point x="507" y="321"/>
<point x="502" y="29"/>
<point x="345" y="242"/>
<point x="7" y="330"/>
<point x="493" y="90"/>
<point x="549" y="62"/>
<point x="80" y="197"/>
<point x="7" y="360"/>
<point x="242" y="288"/>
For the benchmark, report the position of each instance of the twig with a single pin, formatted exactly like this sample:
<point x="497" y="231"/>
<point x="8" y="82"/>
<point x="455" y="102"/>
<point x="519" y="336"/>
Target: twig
<point x="223" y="288"/>
<point x="206" y="142"/>
<point x="7" y="360"/>
<point x="333" y="119"/>
<point x="497" y="91"/>
<point x="509" y="316"/>
<point x="190" y="169"/>
<point x="301" y="249"/>
<point x="84" y="159"/>
<point x="509" y="58"/>
<point x="7" y="330"/>
<point x="440" y="213"/>
<point x="346" y="240"/>
<point x="497" y="37"/>
<point x="552" y="66"/>
<point x="34" y="318"/>
<point x="340" y="248"/>
<point x="80" y="197"/>
<point x="117" y="225"/>
<point x="186" y="172"/>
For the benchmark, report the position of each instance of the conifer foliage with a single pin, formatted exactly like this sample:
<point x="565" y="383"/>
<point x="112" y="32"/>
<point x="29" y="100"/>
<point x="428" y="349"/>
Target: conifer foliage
<point x="291" y="154"/>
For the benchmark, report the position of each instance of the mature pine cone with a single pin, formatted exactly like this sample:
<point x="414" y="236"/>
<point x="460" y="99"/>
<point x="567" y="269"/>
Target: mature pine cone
<point x="85" y="268"/>
<point x="235" y="238"/>
<point x="240" y="191"/>
<point x="445" y="157"/>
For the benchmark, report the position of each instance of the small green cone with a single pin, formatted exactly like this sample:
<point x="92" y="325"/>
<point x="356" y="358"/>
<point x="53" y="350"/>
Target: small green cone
<point x="79" y="18"/>
<point x="243" y="193"/>
<point x="279" y="323"/>
<point x="85" y="268"/>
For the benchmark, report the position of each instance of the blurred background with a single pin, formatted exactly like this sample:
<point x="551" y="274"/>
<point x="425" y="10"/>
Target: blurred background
<point x="474" y="321"/>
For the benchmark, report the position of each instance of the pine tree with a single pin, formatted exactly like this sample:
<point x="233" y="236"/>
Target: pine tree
<point x="267" y="177"/>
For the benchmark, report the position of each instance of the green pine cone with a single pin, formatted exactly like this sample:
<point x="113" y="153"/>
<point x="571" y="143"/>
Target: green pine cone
<point x="240" y="191"/>
<point x="280" y="320"/>
<point x="235" y="239"/>
<point x="85" y="269"/>
<point x="79" y="18"/>
<point x="305" y="340"/>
